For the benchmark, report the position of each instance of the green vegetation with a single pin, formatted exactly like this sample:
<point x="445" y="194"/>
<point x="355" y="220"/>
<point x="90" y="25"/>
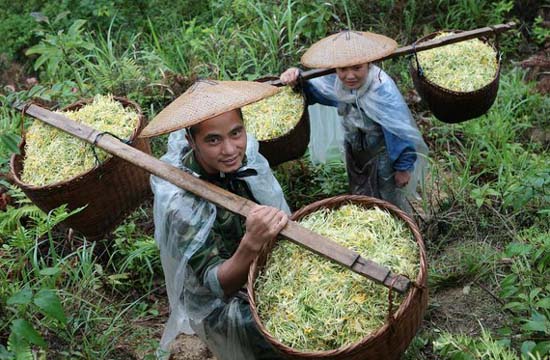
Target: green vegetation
<point x="484" y="215"/>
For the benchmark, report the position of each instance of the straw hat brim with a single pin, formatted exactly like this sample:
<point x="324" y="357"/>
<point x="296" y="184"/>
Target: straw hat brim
<point x="206" y="99"/>
<point x="348" y="48"/>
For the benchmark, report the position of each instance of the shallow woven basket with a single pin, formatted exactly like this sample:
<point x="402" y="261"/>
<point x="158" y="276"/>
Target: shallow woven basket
<point x="109" y="191"/>
<point x="290" y="146"/>
<point x="392" y="338"/>
<point x="452" y="106"/>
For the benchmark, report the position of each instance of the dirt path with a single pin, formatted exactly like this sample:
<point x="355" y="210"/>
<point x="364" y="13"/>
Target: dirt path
<point x="187" y="347"/>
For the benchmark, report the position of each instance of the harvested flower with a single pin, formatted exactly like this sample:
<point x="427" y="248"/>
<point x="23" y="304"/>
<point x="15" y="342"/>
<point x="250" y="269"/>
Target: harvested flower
<point x="274" y="116"/>
<point x="52" y="155"/>
<point x="312" y="304"/>
<point x="463" y="66"/>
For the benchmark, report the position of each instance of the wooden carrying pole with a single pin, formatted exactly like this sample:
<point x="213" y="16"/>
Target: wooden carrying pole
<point x="426" y="45"/>
<point x="242" y="206"/>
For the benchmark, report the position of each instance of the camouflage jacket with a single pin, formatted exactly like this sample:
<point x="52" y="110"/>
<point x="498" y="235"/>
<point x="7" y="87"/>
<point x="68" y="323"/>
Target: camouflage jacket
<point x="228" y="228"/>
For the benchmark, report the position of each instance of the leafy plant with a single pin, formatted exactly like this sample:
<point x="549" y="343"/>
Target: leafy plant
<point x="495" y="167"/>
<point x="469" y="14"/>
<point x="58" y="49"/>
<point x="27" y="304"/>
<point x="12" y="218"/>
<point x="531" y="190"/>
<point x="526" y="289"/>
<point x="540" y="33"/>
<point x="276" y="43"/>
<point x="9" y="134"/>
<point x="135" y="260"/>
<point x="177" y="50"/>
<point x="40" y="283"/>
<point x="112" y="67"/>
<point x="31" y="301"/>
<point x="17" y="27"/>
<point x="482" y="195"/>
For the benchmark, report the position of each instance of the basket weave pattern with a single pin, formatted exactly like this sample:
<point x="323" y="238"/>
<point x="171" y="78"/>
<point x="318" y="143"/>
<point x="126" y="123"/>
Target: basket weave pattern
<point x="452" y="106"/>
<point x="391" y="339"/>
<point x="109" y="191"/>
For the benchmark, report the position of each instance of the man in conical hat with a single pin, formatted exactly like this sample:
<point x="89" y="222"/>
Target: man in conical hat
<point x="206" y="251"/>
<point x="385" y="152"/>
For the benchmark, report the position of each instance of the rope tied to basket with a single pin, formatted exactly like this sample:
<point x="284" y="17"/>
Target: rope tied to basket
<point x="415" y="285"/>
<point x="96" y="139"/>
<point x="418" y="67"/>
<point x="390" y="301"/>
<point x="24" y="110"/>
<point x="497" y="45"/>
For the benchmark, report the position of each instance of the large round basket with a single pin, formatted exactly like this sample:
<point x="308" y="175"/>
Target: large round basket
<point x="290" y="146"/>
<point x="452" y="106"/>
<point x="392" y="339"/>
<point x="108" y="192"/>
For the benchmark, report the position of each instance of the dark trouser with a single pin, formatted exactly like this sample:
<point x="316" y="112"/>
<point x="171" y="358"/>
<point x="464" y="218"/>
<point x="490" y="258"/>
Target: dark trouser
<point x="372" y="174"/>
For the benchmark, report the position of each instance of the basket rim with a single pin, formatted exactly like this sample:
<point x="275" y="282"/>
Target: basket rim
<point x="454" y="92"/>
<point x="419" y="285"/>
<point x="77" y="104"/>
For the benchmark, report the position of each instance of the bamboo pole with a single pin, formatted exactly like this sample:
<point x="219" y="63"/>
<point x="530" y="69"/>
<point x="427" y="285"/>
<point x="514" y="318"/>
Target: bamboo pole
<point x="426" y="45"/>
<point x="242" y="206"/>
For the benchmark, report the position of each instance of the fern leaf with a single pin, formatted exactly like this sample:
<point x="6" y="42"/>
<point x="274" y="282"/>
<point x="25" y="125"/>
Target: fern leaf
<point x="19" y="347"/>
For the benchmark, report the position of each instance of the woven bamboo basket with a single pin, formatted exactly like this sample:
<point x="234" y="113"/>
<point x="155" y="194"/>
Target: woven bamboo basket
<point x="452" y="106"/>
<point x="109" y="191"/>
<point x="290" y="146"/>
<point x="389" y="341"/>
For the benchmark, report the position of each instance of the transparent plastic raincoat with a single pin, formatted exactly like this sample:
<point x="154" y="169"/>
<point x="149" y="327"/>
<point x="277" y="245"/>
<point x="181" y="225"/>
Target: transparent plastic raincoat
<point x="327" y="134"/>
<point x="182" y="224"/>
<point x="378" y="100"/>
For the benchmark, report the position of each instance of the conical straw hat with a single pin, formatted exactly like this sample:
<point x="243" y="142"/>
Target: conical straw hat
<point x="348" y="48"/>
<point x="206" y="99"/>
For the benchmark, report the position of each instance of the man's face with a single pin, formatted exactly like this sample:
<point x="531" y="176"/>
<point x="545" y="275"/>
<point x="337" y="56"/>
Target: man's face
<point x="353" y="77"/>
<point x="220" y="143"/>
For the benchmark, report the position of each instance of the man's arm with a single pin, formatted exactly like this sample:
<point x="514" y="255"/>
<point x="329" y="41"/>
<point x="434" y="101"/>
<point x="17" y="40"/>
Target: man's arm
<point x="262" y="224"/>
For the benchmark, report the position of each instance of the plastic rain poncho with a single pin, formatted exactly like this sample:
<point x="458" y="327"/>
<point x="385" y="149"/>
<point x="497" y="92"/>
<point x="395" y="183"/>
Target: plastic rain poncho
<point x="380" y="100"/>
<point x="182" y="224"/>
<point x="327" y="134"/>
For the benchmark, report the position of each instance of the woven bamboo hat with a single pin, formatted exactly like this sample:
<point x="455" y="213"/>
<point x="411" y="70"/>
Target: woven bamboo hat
<point x="206" y="99"/>
<point x="348" y="48"/>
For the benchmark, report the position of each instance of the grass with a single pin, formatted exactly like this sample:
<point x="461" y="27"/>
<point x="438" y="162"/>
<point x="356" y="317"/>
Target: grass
<point x="461" y="263"/>
<point x="450" y="346"/>
<point x="480" y="208"/>
<point x="98" y="315"/>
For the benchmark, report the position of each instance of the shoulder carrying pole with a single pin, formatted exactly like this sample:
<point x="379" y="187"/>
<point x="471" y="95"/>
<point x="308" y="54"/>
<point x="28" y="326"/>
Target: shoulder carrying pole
<point x="293" y="231"/>
<point x="409" y="49"/>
